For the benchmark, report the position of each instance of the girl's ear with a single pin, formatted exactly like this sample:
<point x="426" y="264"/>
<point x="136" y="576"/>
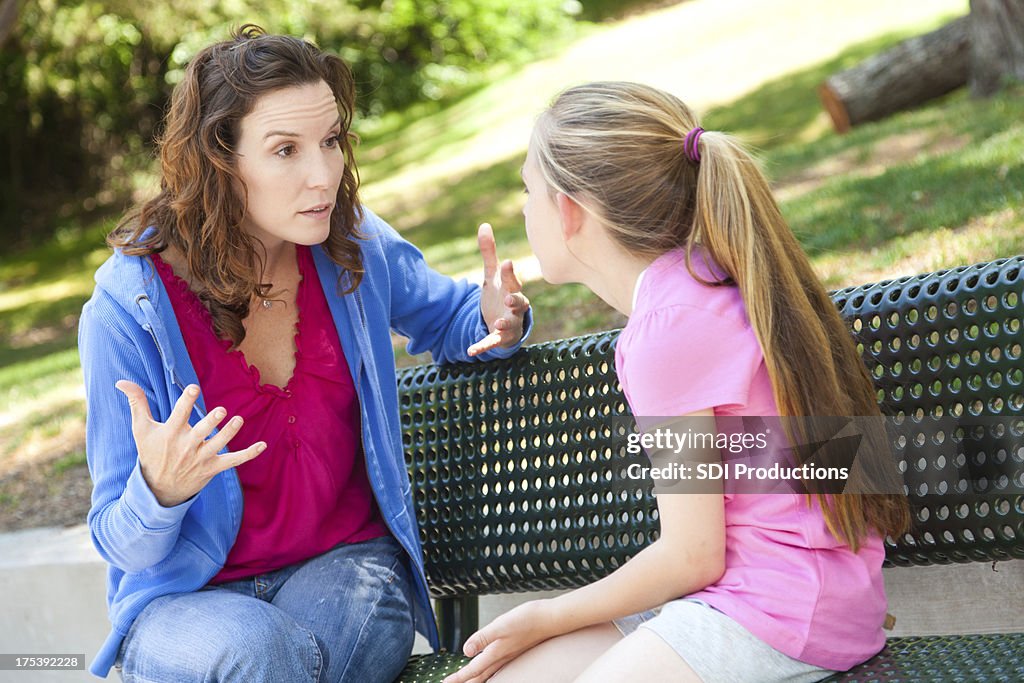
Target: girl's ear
<point x="571" y="214"/>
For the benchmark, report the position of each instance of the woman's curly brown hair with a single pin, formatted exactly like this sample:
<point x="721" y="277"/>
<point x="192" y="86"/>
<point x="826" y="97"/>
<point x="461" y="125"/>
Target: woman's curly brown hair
<point x="198" y="211"/>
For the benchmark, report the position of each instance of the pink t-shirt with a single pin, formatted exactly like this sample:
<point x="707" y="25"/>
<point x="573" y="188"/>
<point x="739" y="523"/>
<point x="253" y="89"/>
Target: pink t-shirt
<point x="309" y="490"/>
<point x="687" y="347"/>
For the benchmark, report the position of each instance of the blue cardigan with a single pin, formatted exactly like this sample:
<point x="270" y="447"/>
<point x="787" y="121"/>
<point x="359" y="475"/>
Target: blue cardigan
<point x="128" y="331"/>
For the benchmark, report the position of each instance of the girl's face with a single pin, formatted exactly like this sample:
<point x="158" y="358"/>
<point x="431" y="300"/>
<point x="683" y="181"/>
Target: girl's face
<point x="291" y="162"/>
<point x="544" y="224"/>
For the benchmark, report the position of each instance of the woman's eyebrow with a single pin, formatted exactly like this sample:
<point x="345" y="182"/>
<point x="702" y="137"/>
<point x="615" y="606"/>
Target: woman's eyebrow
<point x="289" y="134"/>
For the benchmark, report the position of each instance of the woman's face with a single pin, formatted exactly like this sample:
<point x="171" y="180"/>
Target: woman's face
<point x="290" y="159"/>
<point x="543" y="223"/>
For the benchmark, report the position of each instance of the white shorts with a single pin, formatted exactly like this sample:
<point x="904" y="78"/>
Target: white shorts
<point x="717" y="648"/>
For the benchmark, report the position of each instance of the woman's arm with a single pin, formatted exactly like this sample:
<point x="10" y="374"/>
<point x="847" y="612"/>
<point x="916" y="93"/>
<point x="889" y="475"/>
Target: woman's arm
<point x="129" y="528"/>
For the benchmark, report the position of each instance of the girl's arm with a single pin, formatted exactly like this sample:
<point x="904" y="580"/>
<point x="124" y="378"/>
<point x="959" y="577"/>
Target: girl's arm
<point x="688" y="556"/>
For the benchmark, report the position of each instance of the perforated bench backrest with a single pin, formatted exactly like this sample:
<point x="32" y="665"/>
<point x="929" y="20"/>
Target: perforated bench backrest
<point x="511" y="462"/>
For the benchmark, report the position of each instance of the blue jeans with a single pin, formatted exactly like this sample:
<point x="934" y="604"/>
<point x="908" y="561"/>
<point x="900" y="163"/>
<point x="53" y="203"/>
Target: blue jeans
<point x="345" y="615"/>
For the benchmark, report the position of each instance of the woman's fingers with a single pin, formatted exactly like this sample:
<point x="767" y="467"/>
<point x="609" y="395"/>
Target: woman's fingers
<point x="509" y="280"/>
<point x="183" y="407"/>
<point x="488" y="250"/>
<point x="205" y="427"/>
<point x="517" y="303"/>
<point x="489" y="342"/>
<point x="220" y="440"/>
<point x="236" y="458"/>
<point x="137" y="405"/>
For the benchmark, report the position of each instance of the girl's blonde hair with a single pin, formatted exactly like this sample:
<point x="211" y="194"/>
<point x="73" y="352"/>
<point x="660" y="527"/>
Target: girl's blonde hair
<point x="618" y="149"/>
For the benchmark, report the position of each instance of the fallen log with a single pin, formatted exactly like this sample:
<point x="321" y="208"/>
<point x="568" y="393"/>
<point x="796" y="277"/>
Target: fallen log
<point x="915" y="71"/>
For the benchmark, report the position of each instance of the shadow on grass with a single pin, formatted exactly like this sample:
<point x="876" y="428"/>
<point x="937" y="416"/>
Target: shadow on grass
<point x="614" y="10"/>
<point x="30" y="363"/>
<point x="562" y="311"/>
<point x="56" y="316"/>
<point x="417" y="138"/>
<point x="33" y="335"/>
<point x="946" y="190"/>
<point x="44" y="423"/>
<point x="69" y="251"/>
<point x="387" y="130"/>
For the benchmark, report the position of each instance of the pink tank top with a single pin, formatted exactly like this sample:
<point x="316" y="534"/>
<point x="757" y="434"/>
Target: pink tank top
<point x="309" y="490"/>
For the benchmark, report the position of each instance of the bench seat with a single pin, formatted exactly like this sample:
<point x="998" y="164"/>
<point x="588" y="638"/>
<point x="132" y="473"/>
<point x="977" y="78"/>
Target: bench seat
<point x="993" y="658"/>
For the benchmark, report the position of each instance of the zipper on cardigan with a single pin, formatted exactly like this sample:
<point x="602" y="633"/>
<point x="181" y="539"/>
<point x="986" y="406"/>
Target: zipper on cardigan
<point x="159" y="349"/>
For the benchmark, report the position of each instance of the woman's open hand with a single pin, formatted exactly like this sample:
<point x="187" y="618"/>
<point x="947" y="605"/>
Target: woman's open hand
<point x="177" y="459"/>
<point x="502" y="302"/>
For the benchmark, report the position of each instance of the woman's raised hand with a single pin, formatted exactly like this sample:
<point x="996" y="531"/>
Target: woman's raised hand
<point x="502" y="302"/>
<point x="177" y="459"/>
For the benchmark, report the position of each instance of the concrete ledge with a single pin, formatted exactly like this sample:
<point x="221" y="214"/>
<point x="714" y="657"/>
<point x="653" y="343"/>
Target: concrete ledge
<point x="55" y="584"/>
<point x="955" y="599"/>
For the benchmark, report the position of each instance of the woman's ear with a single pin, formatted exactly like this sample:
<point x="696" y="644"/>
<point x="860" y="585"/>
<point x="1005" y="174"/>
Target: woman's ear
<point x="571" y="214"/>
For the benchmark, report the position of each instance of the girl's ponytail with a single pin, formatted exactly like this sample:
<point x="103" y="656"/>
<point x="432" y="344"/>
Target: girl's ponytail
<point x="808" y="349"/>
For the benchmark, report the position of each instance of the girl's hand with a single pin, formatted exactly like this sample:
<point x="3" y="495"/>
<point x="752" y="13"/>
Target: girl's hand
<point x="177" y="460"/>
<point x="502" y="303"/>
<point x="504" y="639"/>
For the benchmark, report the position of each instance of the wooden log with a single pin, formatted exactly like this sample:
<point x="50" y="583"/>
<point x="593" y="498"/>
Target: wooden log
<point x="997" y="44"/>
<point x="915" y="71"/>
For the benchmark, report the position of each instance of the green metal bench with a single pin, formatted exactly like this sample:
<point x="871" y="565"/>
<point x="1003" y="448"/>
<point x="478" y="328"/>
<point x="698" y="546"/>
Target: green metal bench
<point x="509" y="462"/>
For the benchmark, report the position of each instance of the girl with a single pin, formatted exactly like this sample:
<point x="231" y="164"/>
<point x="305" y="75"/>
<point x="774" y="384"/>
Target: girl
<point x="676" y="228"/>
<point x="284" y="546"/>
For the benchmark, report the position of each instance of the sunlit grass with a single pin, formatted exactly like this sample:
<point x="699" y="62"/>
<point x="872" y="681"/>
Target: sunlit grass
<point x="42" y="408"/>
<point x="984" y="238"/>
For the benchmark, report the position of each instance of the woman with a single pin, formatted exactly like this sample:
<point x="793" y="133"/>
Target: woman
<point x="676" y="228"/>
<point x="280" y="544"/>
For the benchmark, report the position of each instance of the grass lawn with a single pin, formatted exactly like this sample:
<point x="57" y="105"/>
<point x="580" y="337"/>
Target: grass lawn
<point x="936" y="187"/>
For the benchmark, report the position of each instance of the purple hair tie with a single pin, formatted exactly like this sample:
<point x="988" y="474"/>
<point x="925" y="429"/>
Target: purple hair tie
<point x="690" y="144"/>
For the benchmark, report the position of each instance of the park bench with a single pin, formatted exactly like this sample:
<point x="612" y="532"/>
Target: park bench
<point x="509" y="462"/>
